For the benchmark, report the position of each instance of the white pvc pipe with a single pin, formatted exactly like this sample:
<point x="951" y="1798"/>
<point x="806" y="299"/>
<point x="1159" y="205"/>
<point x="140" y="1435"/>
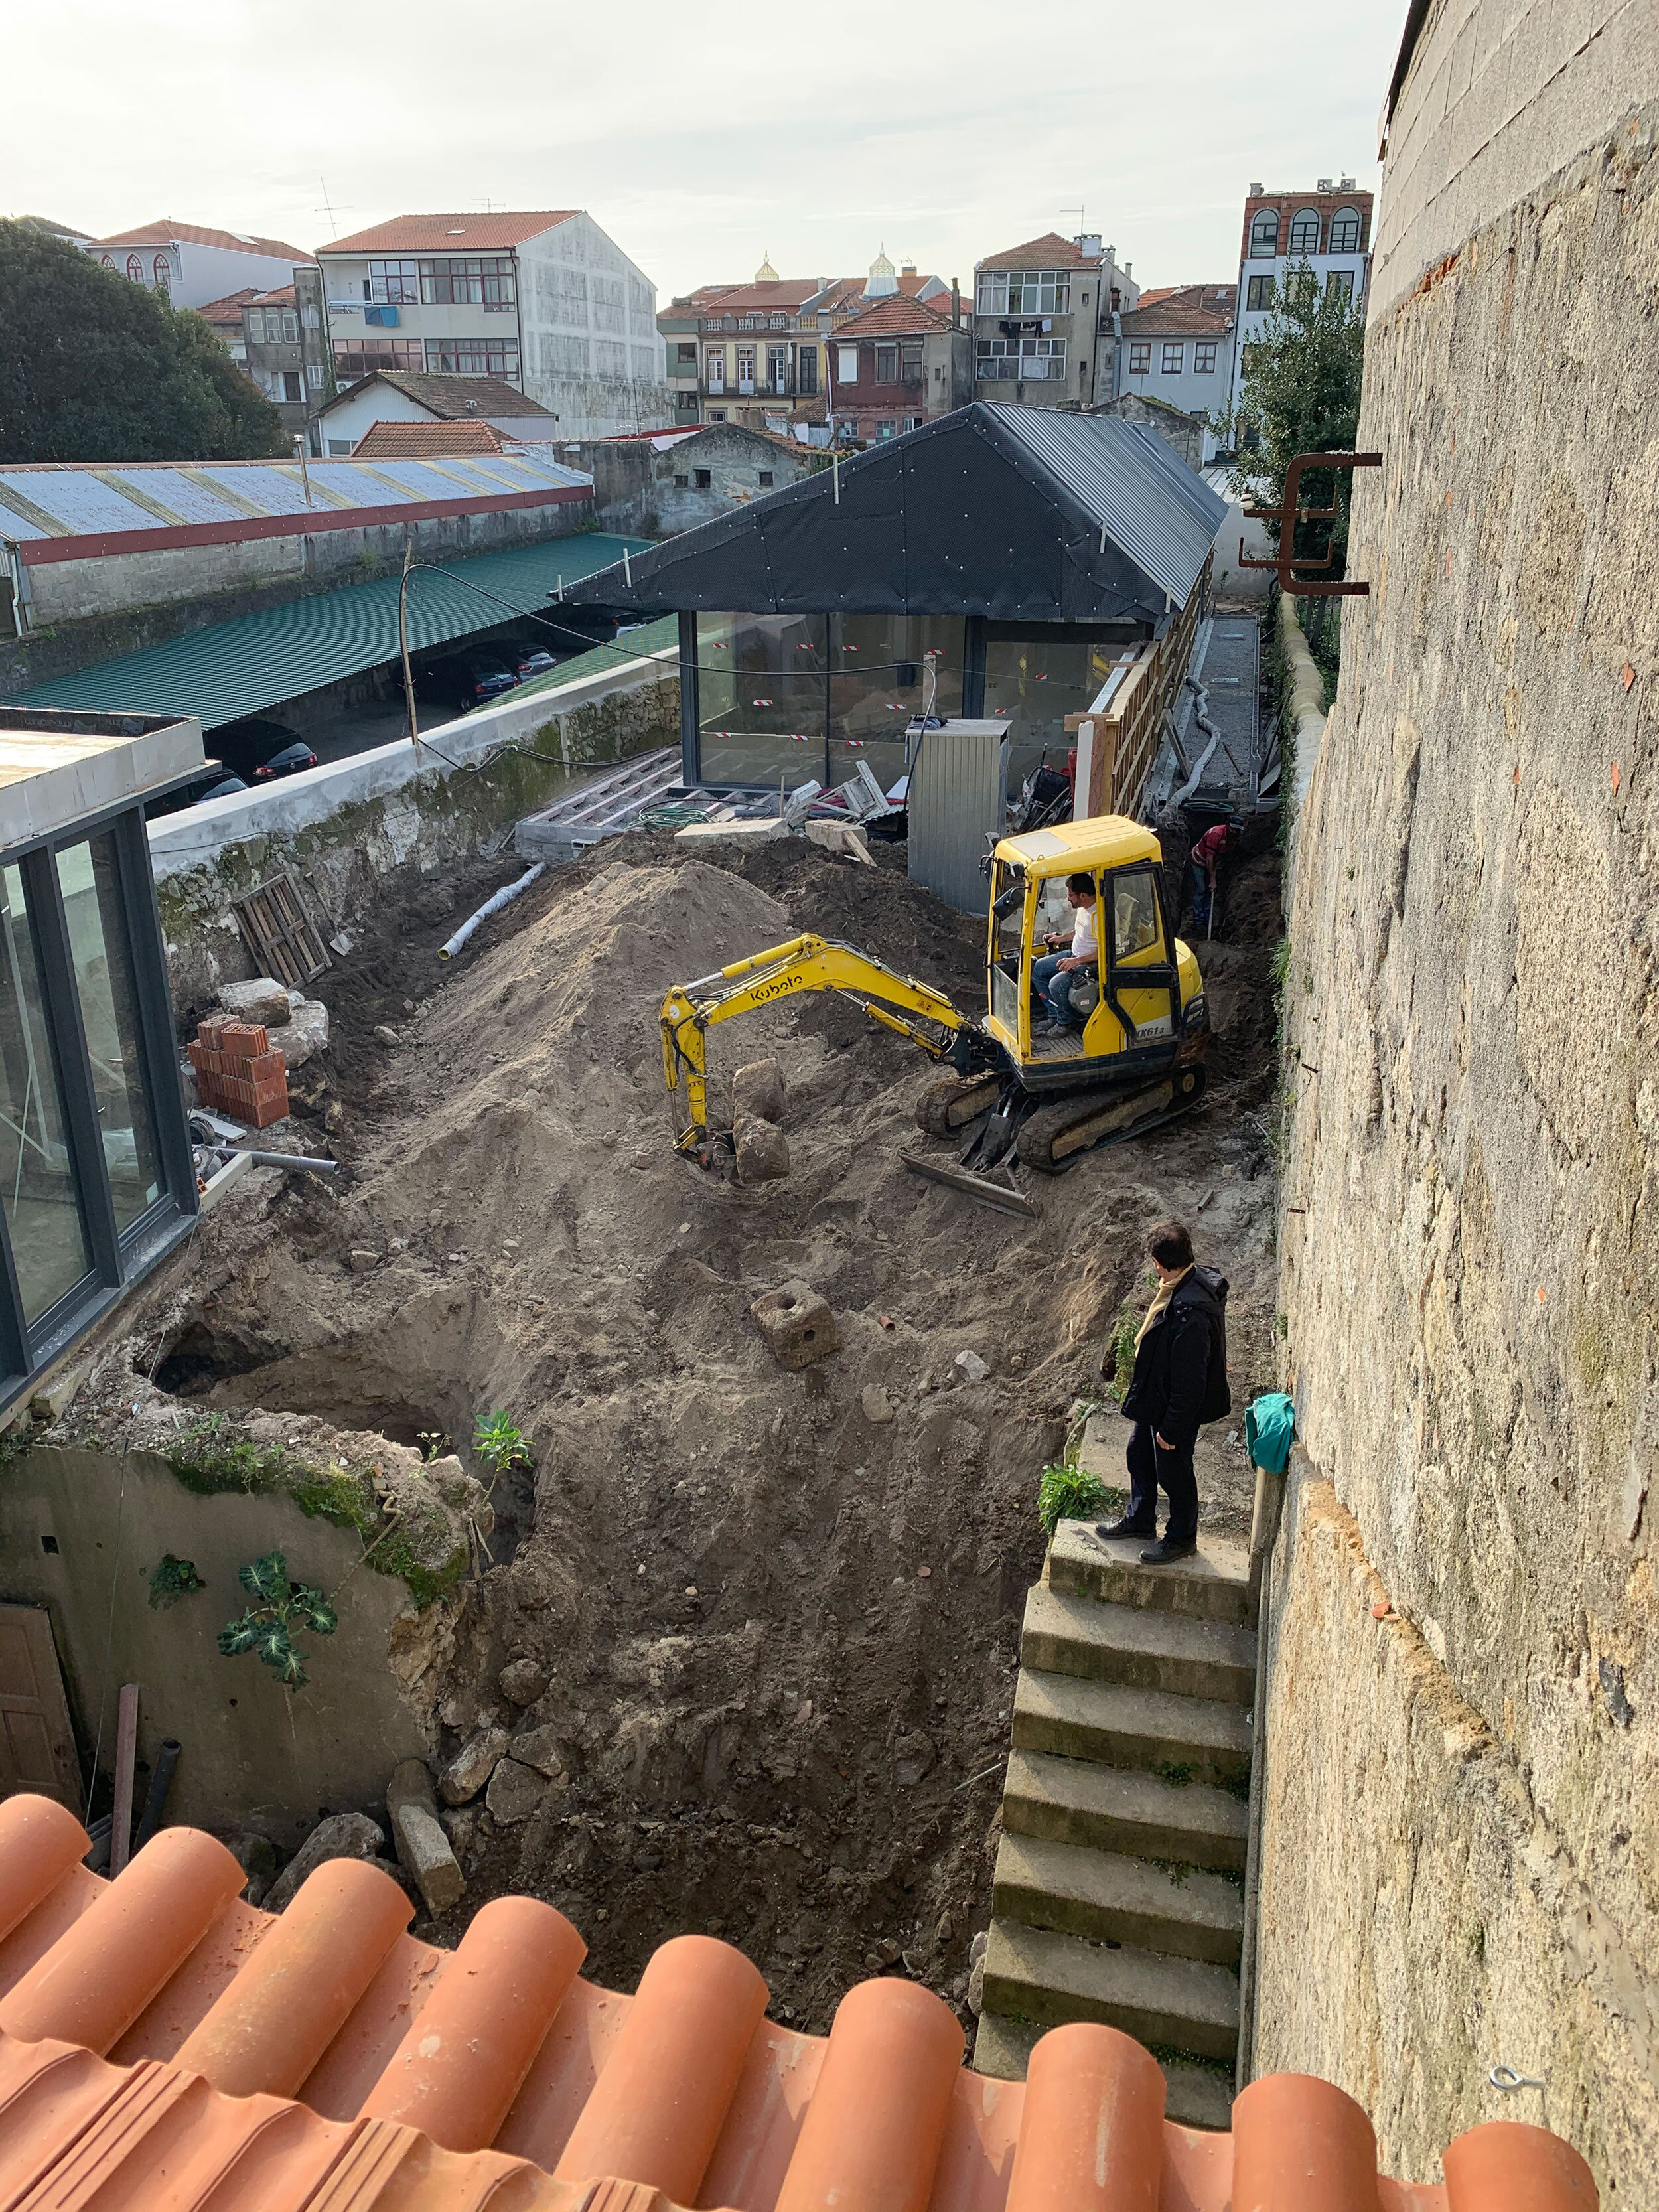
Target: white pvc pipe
<point x="504" y="897"/>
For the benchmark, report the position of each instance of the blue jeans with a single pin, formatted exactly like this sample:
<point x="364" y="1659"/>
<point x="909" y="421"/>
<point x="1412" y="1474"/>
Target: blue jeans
<point x="1202" y="893"/>
<point x="1053" y="989"/>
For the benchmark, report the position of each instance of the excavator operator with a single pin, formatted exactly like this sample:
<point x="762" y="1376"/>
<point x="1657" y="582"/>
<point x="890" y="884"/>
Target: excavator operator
<point x="1051" y="984"/>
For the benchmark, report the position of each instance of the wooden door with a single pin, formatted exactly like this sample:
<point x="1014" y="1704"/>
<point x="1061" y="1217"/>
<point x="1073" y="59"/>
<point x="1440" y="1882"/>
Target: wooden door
<point x="37" y="1745"/>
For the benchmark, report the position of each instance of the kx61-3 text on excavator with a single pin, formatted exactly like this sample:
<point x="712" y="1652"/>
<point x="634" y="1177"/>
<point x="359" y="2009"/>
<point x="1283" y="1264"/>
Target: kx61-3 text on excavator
<point x="1137" y="1061"/>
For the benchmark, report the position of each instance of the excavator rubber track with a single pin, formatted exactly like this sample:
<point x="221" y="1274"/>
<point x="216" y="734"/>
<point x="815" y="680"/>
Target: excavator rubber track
<point x="949" y="1103"/>
<point x="1056" y="1137"/>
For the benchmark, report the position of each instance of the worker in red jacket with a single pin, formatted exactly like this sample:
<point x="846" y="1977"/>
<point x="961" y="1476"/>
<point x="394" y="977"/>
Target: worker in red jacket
<point x="1205" y="856"/>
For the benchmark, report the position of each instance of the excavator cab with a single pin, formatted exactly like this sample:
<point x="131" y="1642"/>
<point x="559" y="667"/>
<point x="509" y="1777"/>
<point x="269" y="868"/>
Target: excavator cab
<point x="1141" y="1007"/>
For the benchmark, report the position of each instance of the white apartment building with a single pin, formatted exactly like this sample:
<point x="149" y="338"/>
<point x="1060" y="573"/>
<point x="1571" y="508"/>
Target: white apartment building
<point x="194" y="265"/>
<point x="543" y="300"/>
<point x="1329" y="228"/>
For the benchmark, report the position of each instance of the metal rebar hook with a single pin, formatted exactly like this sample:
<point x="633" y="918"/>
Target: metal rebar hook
<point x="1506" y="2078"/>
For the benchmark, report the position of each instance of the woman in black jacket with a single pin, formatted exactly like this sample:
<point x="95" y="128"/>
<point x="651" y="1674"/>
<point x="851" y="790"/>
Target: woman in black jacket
<point x="1180" y="1382"/>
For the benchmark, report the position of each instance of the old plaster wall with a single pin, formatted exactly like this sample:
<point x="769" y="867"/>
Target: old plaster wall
<point x="253" y="1753"/>
<point x="1471" y="1221"/>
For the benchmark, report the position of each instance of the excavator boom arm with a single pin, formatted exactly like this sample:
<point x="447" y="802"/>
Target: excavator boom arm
<point x="786" y="971"/>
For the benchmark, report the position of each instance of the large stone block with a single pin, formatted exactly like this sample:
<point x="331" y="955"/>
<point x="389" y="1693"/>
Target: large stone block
<point x="422" y="1847"/>
<point x="798" y="1324"/>
<point x="762" y="1151"/>
<point x="757" y="1089"/>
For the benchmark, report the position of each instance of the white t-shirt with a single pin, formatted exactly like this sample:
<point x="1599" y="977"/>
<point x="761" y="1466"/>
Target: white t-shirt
<point x="1083" y="945"/>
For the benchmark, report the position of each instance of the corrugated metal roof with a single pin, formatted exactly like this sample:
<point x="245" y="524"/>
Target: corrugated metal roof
<point x="73" y="499"/>
<point x="258" y="660"/>
<point x="1138" y="490"/>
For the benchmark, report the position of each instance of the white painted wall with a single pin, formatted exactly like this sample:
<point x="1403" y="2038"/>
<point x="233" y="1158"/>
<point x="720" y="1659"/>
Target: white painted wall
<point x="200" y="273"/>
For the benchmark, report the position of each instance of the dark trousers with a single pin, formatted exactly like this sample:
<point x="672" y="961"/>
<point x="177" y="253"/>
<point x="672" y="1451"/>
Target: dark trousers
<point x="1151" y="1467"/>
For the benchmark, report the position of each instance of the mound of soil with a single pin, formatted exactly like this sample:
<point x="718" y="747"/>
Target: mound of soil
<point x="776" y="1614"/>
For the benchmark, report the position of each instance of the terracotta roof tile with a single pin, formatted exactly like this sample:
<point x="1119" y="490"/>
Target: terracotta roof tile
<point x="453" y="397"/>
<point x="894" y="318"/>
<point x="1178" y="313"/>
<point x="1051" y="250"/>
<point x="450" y="233"/>
<point x="165" y="2048"/>
<point x="195" y="234"/>
<point x="282" y="296"/>
<point x="385" y="442"/>
<point x="229" y="309"/>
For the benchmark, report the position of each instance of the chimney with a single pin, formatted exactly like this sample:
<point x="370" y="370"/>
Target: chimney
<point x="1256" y="192"/>
<point x="956" y="305"/>
<point x="1129" y="270"/>
<point x="1111" y="254"/>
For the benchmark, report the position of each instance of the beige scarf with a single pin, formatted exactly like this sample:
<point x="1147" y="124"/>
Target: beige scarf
<point x="1165" y="1292"/>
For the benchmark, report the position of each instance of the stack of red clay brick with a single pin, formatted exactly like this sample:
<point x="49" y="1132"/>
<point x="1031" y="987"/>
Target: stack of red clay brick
<point x="237" y="1072"/>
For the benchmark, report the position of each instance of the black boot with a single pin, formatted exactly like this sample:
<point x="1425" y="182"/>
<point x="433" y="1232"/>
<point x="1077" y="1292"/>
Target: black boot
<point x="1166" y="1552"/>
<point x="1120" y="1531"/>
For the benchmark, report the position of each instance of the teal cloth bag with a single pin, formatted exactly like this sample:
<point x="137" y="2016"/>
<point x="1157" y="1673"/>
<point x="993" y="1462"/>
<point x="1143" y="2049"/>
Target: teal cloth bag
<point x="1270" y="1431"/>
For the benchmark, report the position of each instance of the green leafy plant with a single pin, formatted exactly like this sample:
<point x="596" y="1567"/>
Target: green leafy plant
<point x="1065" y="1492"/>
<point x="500" y="1443"/>
<point x="434" y="1444"/>
<point x="267" y="1628"/>
<point x="1121" y="1346"/>
<point x="173" y="1579"/>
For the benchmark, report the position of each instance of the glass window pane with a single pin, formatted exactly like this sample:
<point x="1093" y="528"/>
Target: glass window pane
<point x="37" y="1180"/>
<point x="1035" y="685"/>
<point x="1134" y="914"/>
<point x="760" y="698"/>
<point x="879" y="678"/>
<point x="102" y="959"/>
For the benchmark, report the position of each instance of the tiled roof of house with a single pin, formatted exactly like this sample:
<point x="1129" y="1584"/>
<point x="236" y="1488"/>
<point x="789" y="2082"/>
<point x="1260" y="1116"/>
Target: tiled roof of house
<point x="894" y="318"/>
<point x="450" y="233"/>
<point x="164" y="2044"/>
<point x="282" y="296"/>
<point x="1051" y="250"/>
<point x="1186" y="311"/>
<point x="791" y="294"/>
<point x="453" y="397"/>
<point x="383" y="441"/>
<point x="228" y="310"/>
<point x="195" y="234"/>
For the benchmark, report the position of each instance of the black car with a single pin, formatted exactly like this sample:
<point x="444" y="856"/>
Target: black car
<point x="258" y="750"/>
<point x="464" y="680"/>
<point x="214" y="783"/>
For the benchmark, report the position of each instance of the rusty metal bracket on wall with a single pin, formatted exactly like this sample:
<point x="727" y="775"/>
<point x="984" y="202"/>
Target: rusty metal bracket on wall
<point x="1287" y="514"/>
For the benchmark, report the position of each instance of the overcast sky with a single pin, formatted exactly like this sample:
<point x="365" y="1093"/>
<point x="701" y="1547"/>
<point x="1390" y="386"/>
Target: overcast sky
<point x="699" y="141"/>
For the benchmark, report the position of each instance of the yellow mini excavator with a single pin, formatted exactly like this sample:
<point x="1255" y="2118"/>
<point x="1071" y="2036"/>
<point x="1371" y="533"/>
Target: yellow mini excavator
<point x="1137" y="1061"/>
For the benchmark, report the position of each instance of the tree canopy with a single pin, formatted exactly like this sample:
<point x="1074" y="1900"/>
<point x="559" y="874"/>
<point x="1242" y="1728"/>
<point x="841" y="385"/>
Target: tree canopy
<point x="1300" y="394"/>
<point x="94" y="368"/>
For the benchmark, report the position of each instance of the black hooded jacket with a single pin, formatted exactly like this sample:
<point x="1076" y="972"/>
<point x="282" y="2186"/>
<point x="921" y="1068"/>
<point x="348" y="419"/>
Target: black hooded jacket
<point x="1180" y="1380"/>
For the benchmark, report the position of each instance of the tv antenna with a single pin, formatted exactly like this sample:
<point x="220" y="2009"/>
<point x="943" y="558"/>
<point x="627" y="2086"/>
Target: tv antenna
<point x="327" y="209"/>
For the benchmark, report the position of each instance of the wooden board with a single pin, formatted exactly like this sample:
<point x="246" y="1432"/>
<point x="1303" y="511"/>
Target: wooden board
<point x="37" y="1744"/>
<point x="279" y="935"/>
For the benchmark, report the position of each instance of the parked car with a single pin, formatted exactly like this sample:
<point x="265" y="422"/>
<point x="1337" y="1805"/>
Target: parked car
<point x="464" y="680"/>
<point x="258" y="750"/>
<point x="214" y="783"/>
<point x="535" y="662"/>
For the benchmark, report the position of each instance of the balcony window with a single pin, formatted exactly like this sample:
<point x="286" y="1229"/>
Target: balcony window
<point x="745" y="369"/>
<point x="486" y="356"/>
<point x="715" y="365"/>
<point x="1025" y="292"/>
<point x="392" y="285"/>
<point x="355" y="357"/>
<point x="777" y="367"/>
<point x="471" y="280"/>
<point x="806" y="370"/>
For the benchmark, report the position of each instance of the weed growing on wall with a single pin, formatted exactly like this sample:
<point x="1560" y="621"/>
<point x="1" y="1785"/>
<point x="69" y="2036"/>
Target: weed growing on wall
<point x="500" y="1443"/>
<point x="267" y="1628"/>
<point x="174" y="1578"/>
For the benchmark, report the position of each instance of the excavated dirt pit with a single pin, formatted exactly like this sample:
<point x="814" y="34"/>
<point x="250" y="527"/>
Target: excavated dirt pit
<point x="776" y="1614"/>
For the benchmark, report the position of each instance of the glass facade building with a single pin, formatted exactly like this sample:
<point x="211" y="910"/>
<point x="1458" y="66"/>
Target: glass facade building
<point x="96" y="1176"/>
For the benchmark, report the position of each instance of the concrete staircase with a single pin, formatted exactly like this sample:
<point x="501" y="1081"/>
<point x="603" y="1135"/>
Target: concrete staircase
<point x="1119" y="1893"/>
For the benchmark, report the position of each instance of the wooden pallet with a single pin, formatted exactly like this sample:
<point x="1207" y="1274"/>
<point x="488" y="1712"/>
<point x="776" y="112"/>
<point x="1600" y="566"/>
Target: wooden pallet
<point x="281" y="939"/>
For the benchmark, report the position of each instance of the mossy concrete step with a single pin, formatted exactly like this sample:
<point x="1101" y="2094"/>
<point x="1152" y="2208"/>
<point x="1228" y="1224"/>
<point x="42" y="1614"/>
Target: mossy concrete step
<point x="1108" y="1898"/>
<point x="1037" y="1974"/>
<point x="1133" y="1644"/>
<point x="1116" y="1725"/>
<point x="1071" y="1800"/>
<point x="1195" y="2096"/>
<point x="1214" y="1584"/>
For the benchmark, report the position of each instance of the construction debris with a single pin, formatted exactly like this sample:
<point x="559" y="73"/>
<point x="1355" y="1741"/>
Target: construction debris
<point x="424" y="1849"/>
<point x="341" y="1836"/>
<point x="797" y="1325"/>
